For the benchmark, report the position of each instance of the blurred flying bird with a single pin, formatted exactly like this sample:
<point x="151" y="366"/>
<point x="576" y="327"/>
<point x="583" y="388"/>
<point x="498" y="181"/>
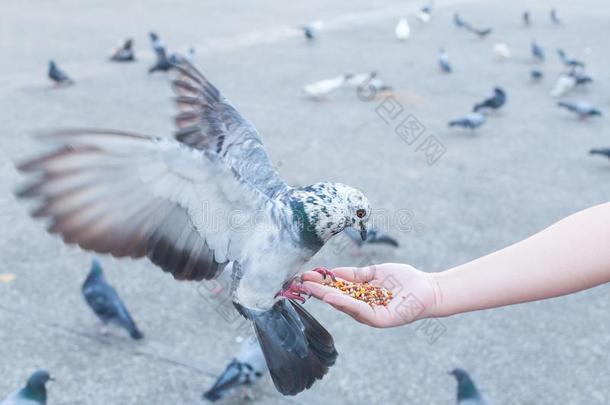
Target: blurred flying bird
<point x="581" y="108"/>
<point x="536" y="75"/>
<point x="526" y="18"/>
<point x="602" y="152"/>
<point x="124" y="53"/>
<point x="554" y="18"/>
<point x="106" y="303"/>
<point x="501" y="51"/>
<point x="443" y="61"/>
<point x="402" y="31"/>
<point x="58" y="76"/>
<point x="425" y="13"/>
<point x="493" y="103"/>
<point x="322" y="88"/>
<point x="244" y="371"/>
<point x="569" y="61"/>
<point x="467" y="392"/>
<point x="145" y="195"/>
<point x="470" y="121"/>
<point x="537" y="52"/>
<point x="565" y="83"/>
<point x="373" y="237"/>
<point x="34" y="392"/>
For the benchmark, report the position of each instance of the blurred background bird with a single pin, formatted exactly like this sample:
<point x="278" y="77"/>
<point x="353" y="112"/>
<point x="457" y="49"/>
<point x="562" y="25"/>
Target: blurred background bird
<point x="402" y="30"/>
<point x="605" y="152"/>
<point x="580" y="108"/>
<point x="246" y="368"/>
<point x="537" y="52"/>
<point x="492" y="103"/>
<point x="467" y="391"/>
<point x="124" y="53"/>
<point x="443" y="61"/>
<point x="471" y="121"/>
<point x="33" y="393"/>
<point x="554" y="17"/>
<point x="105" y="302"/>
<point x="58" y="76"/>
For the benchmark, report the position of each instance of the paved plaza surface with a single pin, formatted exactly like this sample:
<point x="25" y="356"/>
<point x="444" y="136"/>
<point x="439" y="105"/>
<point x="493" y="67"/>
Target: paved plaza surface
<point x="526" y="168"/>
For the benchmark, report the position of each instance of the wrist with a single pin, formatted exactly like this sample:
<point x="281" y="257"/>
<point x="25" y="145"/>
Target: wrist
<point x="437" y="308"/>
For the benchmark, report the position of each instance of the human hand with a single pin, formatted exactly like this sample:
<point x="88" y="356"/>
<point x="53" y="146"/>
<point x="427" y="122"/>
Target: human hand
<point x="415" y="293"/>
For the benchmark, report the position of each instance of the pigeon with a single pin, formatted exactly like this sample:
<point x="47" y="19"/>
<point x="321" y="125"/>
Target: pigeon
<point x="106" y="303"/>
<point x="402" y="31"/>
<point x="569" y="61"/>
<point x="163" y="63"/>
<point x="481" y="33"/>
<point x="58" y="76"/>
<point x="459" y="22"/>
<point x="565" y="83"/>
<point x="425" y="14"/>
<point x="537" y="52"/>
<point x="443" y="61"/>
<point x="34" y="392"/>
<point x="554" y="18"/>
<point x="467" y="392"/>
<point x="501" y="51"/>
<point x="536" y="75"/>
<point x="320" y="89"/>
<point x="602" y="152"/>
<point x="124" y="53"/>
<point x="244" y="370"/>
<point x="582" y="109"/>
<point x="133" y="195"/>
<point x="309" y="33"/>
<point x="470" y="121"/>
<point x="526" y="18"/>
<point x="494" y="102"/>
<point x="580" y="77"/>
<point x="373" y="237"/>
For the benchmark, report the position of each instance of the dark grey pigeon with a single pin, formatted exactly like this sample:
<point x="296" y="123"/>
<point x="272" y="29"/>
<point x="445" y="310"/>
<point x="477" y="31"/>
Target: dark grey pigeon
<point x="58" y="76"/>
<point x="443" y="61"/>
<point x="471" y="121"/>
<point x="537" y="52"/>
<point x="309" y="33"/>
<point x="163" y="62"/>
<point x="481" y="33"/>
<point x="602" y="152"/>
<point x="580" y="77"/>
<point x="124" y="53"/>
<point x="34" y="392"/>
<point x="373" y="237"/>
<point x="554" y="17"/>
<point x="145" y="199"/>
<point x="569" y="61"/>
<point x="467" y="391"/>
<point x="582" y="109"/>
<point x="526" y="18"/>
<point x="493" y="103"/>
<point x="243" y="371"/>
<point x="106" y="303"/>
<point x="536" y="75"/>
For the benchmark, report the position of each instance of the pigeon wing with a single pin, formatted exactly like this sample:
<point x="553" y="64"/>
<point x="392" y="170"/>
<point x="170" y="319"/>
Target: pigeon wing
<point x="206" y="120"/>
<point x="133" y="195"/>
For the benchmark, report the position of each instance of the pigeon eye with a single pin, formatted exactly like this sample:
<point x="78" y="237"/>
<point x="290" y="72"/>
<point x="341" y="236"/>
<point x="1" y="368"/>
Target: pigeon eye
<point x="360" y="213"/>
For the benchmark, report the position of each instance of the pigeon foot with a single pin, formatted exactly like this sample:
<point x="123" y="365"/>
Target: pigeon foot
<point x="294" y="291"/>
<point x="325" y="273"/>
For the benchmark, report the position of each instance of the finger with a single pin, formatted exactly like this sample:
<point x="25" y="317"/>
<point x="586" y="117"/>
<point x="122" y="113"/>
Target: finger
<point x="356" y="274"/>
<point x="312" y="276"/>
<point x="318" y="290"/>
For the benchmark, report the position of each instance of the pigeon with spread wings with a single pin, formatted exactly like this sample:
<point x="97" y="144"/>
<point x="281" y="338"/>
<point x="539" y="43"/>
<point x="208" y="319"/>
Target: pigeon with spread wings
<point x="196" y="203"/>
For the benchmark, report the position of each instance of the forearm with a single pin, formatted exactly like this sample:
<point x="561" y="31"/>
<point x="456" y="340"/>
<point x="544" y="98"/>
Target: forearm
<point x="569" y="256"/>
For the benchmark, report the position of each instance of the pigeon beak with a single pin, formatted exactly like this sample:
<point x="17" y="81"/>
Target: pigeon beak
<point x="363" y="231"/>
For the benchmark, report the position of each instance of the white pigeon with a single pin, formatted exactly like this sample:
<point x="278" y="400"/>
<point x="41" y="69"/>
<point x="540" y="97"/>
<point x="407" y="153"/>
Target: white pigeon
<point x="501" y="51"/>
<point x="196" y="203"/>
<point x="33" y="393"/>
<point x="563" y="85"/>
<point x="322" y="88"/>
<point x="402" y="31"/>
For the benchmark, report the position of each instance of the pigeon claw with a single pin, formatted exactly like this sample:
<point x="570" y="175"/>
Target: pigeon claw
<point x="294" y="292"/>
<point x="325" y="273"/>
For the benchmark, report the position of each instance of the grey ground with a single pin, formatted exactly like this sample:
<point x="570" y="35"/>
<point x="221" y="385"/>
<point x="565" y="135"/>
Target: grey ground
<point x="525" y="169"/>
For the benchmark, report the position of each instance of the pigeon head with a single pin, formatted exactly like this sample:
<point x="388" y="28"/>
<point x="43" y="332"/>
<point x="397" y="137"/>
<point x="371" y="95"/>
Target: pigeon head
<point x="51" y="63"/>
<point x="466" y="387"/>
<point x="35" y="388"/>
<point x="322" y="210"/>
<point x="96" y="266"/>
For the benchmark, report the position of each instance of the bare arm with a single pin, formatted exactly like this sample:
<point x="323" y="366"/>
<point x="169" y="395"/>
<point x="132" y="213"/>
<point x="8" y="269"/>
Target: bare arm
<point x="569" y="256"/>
